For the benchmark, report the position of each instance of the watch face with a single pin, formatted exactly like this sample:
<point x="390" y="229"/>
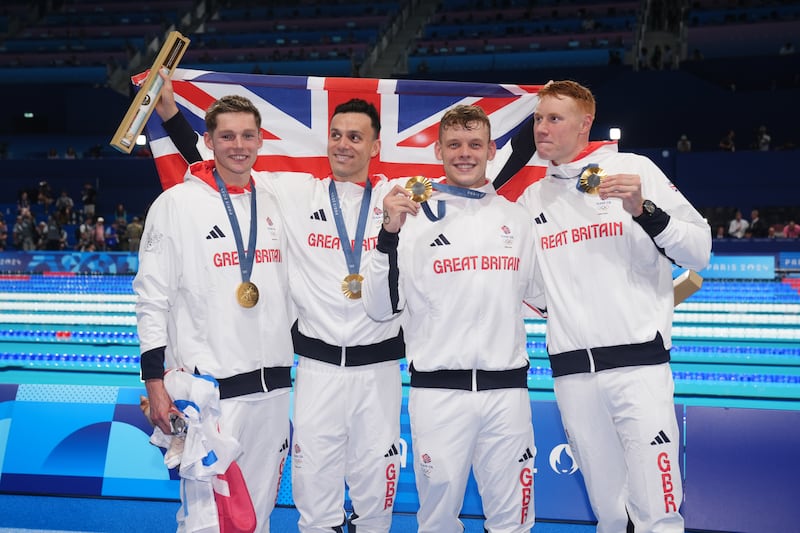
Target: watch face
<point x="386" y="217"/>
<point x="648" y="207"/>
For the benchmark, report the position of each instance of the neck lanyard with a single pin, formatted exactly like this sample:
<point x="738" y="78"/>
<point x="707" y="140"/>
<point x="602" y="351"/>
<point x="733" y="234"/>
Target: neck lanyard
<point x="352" y="253"/>
<point x="245" y="259"/>
<point x="450" y="189"/>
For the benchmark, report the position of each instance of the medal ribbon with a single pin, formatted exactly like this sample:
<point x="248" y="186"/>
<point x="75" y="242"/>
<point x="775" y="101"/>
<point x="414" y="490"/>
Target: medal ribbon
<point x="450" y="189"/>
<point x="245" y="261"/>
<point x="352" y="254"/>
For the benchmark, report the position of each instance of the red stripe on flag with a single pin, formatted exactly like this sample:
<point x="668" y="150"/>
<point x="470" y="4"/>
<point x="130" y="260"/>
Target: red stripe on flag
<point x="490" y="105"/>
<point x="203" y="100"/>
<point x="341" y="90"/>
<point x="527" y="175"/>
<point x="424" y="138"/>
<point x="171" y="169"/>
<point x="429" y="135"/>
<point x="318" y="166"/>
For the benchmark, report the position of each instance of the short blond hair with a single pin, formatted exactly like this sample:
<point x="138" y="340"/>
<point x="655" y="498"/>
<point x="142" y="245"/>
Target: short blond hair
<point x="466" y="116"/>
<point x="230" y="104"/>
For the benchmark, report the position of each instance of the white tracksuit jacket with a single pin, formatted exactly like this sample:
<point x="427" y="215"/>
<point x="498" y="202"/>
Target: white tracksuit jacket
<point x="456" y="271"/>
<point x="188" y="275"/>
<point x="324" y="313"/>
<point x="581" y="238"/>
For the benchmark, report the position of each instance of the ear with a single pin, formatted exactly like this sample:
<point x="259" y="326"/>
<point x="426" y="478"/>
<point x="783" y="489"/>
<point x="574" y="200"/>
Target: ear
<point x="208" y="141"/>
<point x="492" y="150"/>
<point x="437" y="150"/>
<point x="376" y="148"/>
<point x="586" y="123"/>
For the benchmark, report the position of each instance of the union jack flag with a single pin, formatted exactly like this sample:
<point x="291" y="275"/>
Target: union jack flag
<point x="296" y="111"/>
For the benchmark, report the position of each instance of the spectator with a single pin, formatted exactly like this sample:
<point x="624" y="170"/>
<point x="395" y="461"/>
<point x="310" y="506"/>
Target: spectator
<point x="23" y="203"/>
<point x="728" y="142"/>
<point x="120" y="213"/>
<point x="99" y="236"/>
<point x="25" y="232"/>
<point x="44" y="195"/>
<point x="3" y="233"/>
<point x="53" y="154"/>
<point x="70" y="153"/>
<point x="737" y="226"/>
<point x="684" y="144"/>
<point x="84" y="235"/>
<point x="88" y="199"/>
<point x="791" y="230"/>
<point x="41" y="232"/>
<point x="52" y="234"/>
<point x="771" y="233"/>
<point x="763" y="139"/>
<point x="134" y="234"/>
<point x="757" y="226"/>
<point x="16" y="233"/>
<point x="112" y="237"/>
<point x="64" y="208"/>
<point x="720" y="234"/>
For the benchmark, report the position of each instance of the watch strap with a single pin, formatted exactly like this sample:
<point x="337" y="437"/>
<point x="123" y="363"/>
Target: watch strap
<point x="654" y="223"/>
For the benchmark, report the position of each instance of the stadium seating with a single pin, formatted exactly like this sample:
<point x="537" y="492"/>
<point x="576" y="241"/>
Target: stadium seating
<point x="469" y="35"/>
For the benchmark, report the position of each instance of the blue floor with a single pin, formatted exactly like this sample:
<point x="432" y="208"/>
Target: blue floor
<point x="51" y="514"/>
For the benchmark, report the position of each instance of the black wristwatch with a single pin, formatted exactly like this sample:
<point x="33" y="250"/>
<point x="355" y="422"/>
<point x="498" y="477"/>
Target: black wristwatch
<point x="648" y="208"/>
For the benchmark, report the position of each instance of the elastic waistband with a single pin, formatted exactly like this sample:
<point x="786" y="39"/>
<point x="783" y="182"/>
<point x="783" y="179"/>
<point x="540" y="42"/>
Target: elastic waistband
<point x="516" y="378"/>
<point x="278" y="377"/>
<point x="365" y="354"/>
<point x="607" y="357"/>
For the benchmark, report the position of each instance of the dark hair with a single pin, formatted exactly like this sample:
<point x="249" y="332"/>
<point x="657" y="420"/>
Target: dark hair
<point x="230" y="104"/>
<point x="357" y="105"/>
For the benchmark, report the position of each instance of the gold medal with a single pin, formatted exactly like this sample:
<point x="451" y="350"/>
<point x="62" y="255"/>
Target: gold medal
<point x="351" y="286"/>
<point x="420" y="188"/>
<point x="247" y="294"/>
<point x="590" y="179"/>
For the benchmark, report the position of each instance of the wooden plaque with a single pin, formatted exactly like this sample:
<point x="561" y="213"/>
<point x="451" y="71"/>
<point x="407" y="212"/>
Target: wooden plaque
<point x="143" y="104"/>
<point x="688" y="283"/>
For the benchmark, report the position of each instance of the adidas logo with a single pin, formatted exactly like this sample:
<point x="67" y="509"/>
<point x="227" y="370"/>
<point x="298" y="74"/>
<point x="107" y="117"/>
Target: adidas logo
<point x="540" y="219"/>
<point x="284" y="446"/>
<point x="441" y="240"/>
<point x="661" y="438"/>
<point x="525" y="456"/>
<point x="215" y="233"/>
<point x="392" y="451"/>
<point x="319" y="215"/>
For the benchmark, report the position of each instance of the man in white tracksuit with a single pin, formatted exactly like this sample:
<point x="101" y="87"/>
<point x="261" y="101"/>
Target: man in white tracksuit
<point x="213" y="299"/>
<point x="607" y="228"/>
<point x="459" y="273"/>
<point x="348" y="386"/>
